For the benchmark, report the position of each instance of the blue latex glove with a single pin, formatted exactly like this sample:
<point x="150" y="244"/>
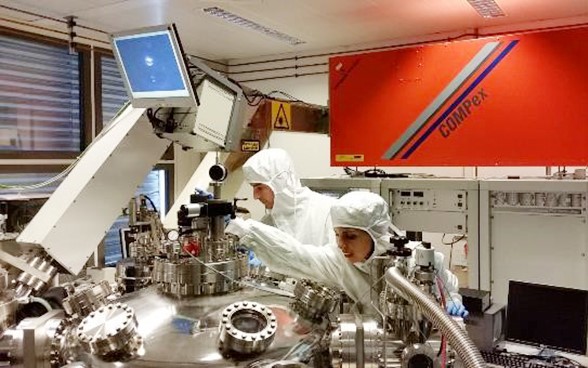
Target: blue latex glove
<point x="203" y="193"/>
<point x="253" y="260"/>
<point x="455" y="308"/>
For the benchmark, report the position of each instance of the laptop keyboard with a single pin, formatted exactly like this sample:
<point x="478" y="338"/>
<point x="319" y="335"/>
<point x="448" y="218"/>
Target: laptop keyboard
<point x="510" y="360"/>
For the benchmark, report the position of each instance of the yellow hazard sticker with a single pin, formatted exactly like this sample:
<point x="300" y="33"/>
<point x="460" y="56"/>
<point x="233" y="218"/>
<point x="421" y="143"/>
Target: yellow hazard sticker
<point x="349" y="158"/>
<point x="281" y="115"/>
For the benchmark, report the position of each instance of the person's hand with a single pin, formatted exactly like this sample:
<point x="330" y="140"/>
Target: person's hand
<point x="238" y="227"/>
<point x="456" y="309"/>
<point x="203" y="193"/>
<point x="253" y="260"/>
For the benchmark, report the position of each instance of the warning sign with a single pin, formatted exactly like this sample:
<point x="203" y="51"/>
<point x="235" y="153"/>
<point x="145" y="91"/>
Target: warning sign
<point x="281" y="115"/>
<point x="250" y="145"/>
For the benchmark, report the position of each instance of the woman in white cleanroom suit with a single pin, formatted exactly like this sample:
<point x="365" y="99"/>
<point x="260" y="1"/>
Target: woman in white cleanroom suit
<point x="362" y="227"/>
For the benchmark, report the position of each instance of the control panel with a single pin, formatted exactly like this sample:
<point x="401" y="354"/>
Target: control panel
<point x="438" y="208"/>
<point x="430" y="199"/>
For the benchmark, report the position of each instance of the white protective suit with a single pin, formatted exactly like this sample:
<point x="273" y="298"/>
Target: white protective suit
<point x="361" y="210"/>
<point x="297" y="211"/>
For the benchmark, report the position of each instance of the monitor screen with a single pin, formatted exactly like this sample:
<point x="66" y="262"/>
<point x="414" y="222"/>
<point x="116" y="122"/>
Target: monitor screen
<point x="153" y="68"/>
<point x="550" y="316"/>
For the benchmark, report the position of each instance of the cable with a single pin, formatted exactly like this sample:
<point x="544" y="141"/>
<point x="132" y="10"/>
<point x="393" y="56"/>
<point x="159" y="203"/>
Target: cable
<point x="455" y="239"/>
<point x="442" y="282"/>
<point x="374" y="173"/>
<point x="251" y="96"/>
<point x="151" y="202"/>
<point x="443" y="347"/>
<point x="451" y="244"/>
<point x="68" y="169"/>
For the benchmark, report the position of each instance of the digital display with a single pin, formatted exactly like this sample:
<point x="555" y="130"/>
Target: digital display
<point x="153" y="68"/>
<point x="548" y="316"/>
<point x="158" y="74"/>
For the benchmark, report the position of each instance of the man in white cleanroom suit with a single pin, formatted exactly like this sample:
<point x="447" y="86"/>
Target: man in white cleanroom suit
<point x="361" y="222"/>
<point x="291" y="207"/>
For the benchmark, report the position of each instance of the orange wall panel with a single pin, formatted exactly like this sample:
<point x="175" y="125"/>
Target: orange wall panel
<point x="507" y="101"/>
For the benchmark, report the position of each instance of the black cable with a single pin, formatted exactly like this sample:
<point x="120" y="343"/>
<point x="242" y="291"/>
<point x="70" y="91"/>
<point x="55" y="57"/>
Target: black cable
<point x="250" y="97"/>
<point x="374" y="172"/>
<point x="154" y="120"/>
<point x="255" y="94"/>
<point x="292" y="98"/>
<point x="152" y="204"/>
<point x="187" y="231"/>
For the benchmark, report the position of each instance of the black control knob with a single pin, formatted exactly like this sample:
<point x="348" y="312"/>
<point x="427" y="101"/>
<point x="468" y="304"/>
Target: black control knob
<point x="400" y="249"/>
<point x="398" y="241"/>
<point x="218" y="172"/>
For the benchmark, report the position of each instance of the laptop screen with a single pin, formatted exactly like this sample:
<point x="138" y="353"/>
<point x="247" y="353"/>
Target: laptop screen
<point x="549" y="316"/>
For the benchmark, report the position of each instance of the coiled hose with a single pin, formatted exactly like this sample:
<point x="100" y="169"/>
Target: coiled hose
<point x="463" y="345"/>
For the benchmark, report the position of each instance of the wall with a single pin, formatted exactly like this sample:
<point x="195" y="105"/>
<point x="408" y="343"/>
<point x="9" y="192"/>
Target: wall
<point x="313" y="88"/>
<point x="304" y="76"/>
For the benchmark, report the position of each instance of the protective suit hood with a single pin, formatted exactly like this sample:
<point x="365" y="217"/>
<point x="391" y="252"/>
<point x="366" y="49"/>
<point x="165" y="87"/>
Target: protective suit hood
<point x="274" y="168"/>
<point x="368" y="212"/>
<point x="297" y="210"/>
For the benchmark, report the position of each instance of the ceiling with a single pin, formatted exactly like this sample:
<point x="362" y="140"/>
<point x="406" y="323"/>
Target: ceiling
<point x="321" y="24"/>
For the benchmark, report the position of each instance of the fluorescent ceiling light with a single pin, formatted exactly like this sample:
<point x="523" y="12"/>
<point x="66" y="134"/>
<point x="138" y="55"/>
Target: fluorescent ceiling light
<point x="243" y="22"/>
<point x="487" y="8"/>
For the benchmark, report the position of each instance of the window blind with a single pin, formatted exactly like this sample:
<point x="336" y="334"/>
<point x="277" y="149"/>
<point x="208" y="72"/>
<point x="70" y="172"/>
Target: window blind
<point x="114" y="94"/>
<point x="39" y="97"/>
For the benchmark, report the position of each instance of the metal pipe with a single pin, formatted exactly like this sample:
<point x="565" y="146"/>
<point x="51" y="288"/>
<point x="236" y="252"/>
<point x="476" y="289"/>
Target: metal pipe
<point x="462" y="344"/>
<point x="217" y="227"/>
<point x="43" y="302"/>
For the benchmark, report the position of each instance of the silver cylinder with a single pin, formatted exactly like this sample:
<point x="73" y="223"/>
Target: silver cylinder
<point x="132" y="212"/>
<point x="12" y="348"/>
<point x="419" y="355"/>
<point x="424" y="257"/>
<point x="187" y="277"/>
<point x="247" y="328"/>
<point x="87" y="299"/>
<point x="8" y="308"/>
<point x="193" y="209"/>
<point x="110" y="331"/>
<point x="343" y="347"/>
<point x="357" y="342"/>
<point x="457" y="338"/>
<point x="313" y="301"/>
<point x="216" y="189"/>
<point x="217" y="228"/>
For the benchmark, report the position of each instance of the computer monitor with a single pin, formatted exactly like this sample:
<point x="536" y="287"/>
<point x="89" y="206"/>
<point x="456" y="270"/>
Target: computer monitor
<point x="153" y="67"/>
<point x="550" y="316"/>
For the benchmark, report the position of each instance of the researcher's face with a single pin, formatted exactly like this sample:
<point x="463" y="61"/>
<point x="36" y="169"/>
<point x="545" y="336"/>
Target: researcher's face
<point x="264" y="194"/>
<point x="355" y="244"/>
